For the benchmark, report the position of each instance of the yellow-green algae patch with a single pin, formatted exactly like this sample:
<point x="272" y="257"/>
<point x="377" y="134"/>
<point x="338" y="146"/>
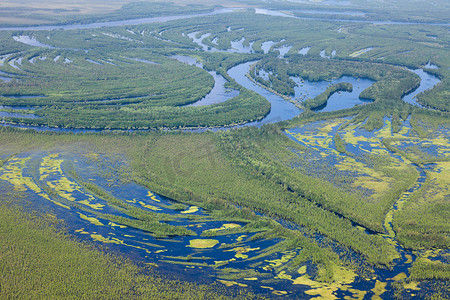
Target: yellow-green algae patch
<point x="409" y="259"/>
<point x="279" y="293"/>
<point x="283" y="275"/>
<point x="202" y="243"/>
<point x="13" y="173"/>
<point x="399" y="277"/>
<point x="149" y="206"/>
<point x="275" y="263"/>
<point x="152" y="196"/>
<point x="223" y="262"/>
<point x="226" y="227"/>
<point x="92" y="220"/>
<point x="342" y="277"/>
<point x="63" y="186"/>
<point x="100" y="238"/>
<point x="414" y="286"/>
<point x="241" y="250"/>
<point x="241" y="238"/>
<point x="96" y="206"/>
<point x="191" y="210"/>
<point x="356" y="294"/>
<point x="379" y="289"/>
<point x="116" y="225"/>
<point x="228" y="283"/>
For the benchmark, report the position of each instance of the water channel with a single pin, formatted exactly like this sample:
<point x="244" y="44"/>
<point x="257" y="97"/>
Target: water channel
<point x="146" y="248"/>
<point x="215" y="12"/>
<point x="281" y="109"/>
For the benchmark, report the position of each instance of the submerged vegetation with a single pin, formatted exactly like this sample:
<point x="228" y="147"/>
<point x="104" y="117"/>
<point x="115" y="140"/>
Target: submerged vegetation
<point x="338" y="203"/>
<point x="37" y="243"/>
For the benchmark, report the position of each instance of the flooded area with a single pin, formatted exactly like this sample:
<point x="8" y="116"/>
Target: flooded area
<point x="195" y="245"/>
<point x="304" y="50"/>
<point x="281" y="109"/>
<point x="360" y="52"/>
<point x="219" y="92"/>
<point x="306" y="89"/>
<point x="208" y="247"/>
<point x="283" y="50"/>
<point x="266" y="46"/>
<point x="239" y="47"/>
<point x="31" y="41"/>
<point x="427" y="81"/>
<point x="4" y="114"/>
<point x="322" y="156"/>
<point x="263" y="11"/>
<point x="96" y="197"/>
<point x="324" y="55"/>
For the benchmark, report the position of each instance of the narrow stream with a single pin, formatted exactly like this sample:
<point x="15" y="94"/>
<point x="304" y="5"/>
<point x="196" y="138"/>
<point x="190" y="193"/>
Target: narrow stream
<point x="281" y="109"/>
<point x="219" y="92"/>
<point x="427" y="81"/>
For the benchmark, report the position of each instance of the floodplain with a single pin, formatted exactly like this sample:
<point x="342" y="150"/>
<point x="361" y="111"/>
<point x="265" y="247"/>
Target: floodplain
<point x="261" y="151"/>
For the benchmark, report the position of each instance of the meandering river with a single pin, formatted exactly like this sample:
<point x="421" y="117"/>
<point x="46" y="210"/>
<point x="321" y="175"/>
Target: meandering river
<point x="138" y="244"/>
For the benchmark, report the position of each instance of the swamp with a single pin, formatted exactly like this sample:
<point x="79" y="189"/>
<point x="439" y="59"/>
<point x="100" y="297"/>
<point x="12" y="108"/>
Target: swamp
<point x="237" y="149"/>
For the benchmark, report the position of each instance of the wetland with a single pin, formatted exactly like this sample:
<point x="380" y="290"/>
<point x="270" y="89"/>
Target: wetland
<point x="275" y="151"/>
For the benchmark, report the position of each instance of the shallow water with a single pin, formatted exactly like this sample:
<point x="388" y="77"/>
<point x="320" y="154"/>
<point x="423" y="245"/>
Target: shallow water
<point x="267" y="45"/>
<point x="219" y="92"/>
<point x="304" y="50"/>
<point x="429" y="65"/>
<point x="199" y="41"/>
<point x="287" y="14"/>
<point x="215" y="12"/>
<point x="94" y="62"/>
<point x="306" y="89"/>
<point x="119" y="23"/>
<point x="4" y="114"/>
<point x="283" y="50"/>
<point x="318" y="138"/>
<point x="84" y="215"/>
<point x="281" y="109"/>
<point x="238" y="46"/>
<point x="5" y="79"/>
<point x="427" y="81"/>
<point x="31" y="41"/>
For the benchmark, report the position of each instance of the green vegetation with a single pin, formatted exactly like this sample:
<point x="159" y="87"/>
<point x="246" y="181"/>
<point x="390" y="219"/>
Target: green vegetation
<point x="81" y="94"/>
<point x="322" y="99"/>
<point x="35" y="252"/>
<point x="327" y="196"/>
<point x="424" y="268"/>
<point x="437" y="98"/>
<point x="391" y="82"/>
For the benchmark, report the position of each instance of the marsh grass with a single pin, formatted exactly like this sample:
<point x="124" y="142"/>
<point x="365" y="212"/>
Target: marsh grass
<point x="40" y="261"/>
